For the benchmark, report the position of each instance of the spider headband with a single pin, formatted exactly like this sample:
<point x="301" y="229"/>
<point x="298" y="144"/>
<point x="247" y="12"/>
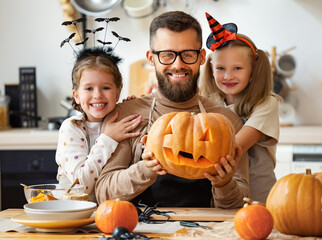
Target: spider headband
<point x="221" y="34"/>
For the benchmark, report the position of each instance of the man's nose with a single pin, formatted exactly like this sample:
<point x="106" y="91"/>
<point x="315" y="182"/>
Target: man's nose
<point x="178" y="63"/>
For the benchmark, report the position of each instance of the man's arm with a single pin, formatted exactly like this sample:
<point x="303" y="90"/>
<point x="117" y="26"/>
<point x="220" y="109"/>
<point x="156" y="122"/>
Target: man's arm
<point x="120" y="178"/>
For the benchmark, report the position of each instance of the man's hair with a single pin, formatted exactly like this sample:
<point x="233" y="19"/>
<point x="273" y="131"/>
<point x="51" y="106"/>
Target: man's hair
<point x="176" y="21"/>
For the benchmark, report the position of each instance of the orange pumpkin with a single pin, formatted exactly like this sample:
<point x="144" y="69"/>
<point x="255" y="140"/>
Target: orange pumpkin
<point x="114" y="213"/>
<point x="188" y="145"/>
<point x="253" y="222"/>
<point x="295" y="202"/>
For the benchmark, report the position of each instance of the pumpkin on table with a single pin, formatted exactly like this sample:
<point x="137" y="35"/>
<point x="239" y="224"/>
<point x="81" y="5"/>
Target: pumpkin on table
<point x="295" y="202"/>
<point x="253" y="221"/>
<point x="188" y="144"/>
<point x="115" y="213"/>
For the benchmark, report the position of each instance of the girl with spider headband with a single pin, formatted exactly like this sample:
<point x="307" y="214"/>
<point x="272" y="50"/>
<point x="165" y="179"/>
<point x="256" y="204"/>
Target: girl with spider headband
<point x="239" y="75"/>
<point x="82" y="149"/>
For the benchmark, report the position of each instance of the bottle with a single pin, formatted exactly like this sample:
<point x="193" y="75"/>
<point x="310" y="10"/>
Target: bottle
<point x="4" y="112"/>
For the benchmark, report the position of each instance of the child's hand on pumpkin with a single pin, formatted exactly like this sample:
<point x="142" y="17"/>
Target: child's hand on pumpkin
<point x="122" y="129"/>
<point x="226" y="171"/>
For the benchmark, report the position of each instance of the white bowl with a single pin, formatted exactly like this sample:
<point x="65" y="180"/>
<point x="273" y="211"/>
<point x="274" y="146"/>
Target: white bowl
<point x="60" y="210"/>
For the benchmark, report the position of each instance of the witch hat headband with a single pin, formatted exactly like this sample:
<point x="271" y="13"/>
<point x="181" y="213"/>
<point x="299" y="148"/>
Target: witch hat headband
<point x="221" y="34"/>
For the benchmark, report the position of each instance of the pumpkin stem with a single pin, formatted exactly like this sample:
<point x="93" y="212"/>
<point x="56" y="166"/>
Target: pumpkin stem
<point x="250" y="201"/>
<point x="193" y="113"/>
<point x="308" y="171"/>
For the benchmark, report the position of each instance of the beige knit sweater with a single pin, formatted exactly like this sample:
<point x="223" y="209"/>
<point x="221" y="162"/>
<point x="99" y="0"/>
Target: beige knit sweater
<point x="125" y="176"/>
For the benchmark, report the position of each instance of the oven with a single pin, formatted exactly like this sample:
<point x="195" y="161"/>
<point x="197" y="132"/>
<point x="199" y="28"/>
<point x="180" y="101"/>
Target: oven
<point x="27" y="167"/>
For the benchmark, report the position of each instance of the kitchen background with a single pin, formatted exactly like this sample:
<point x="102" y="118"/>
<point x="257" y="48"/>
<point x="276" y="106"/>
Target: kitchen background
<point x="31" y="33"/>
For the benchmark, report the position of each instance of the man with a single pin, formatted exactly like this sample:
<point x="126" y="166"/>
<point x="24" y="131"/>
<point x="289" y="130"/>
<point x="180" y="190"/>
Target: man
<point x="176" y="53"/>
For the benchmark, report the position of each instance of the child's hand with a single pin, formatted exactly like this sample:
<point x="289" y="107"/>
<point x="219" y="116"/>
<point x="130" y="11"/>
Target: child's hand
<point x="129" y="98"/>
<point x="226" y="171"/>
<point x="152" y="164"/>
<point x="122" y="129"/>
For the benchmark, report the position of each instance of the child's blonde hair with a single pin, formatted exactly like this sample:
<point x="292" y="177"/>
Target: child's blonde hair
<point x="259" y="88"/>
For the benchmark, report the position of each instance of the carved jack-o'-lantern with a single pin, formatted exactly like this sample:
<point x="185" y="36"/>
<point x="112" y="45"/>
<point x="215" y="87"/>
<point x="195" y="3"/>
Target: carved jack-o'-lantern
<point x="188" y="145"/>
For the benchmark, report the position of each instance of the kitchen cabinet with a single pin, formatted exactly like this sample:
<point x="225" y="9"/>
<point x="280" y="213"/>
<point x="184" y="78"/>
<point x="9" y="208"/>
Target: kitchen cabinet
<point x="299" y="147"/>
<point x="26" y="156"/>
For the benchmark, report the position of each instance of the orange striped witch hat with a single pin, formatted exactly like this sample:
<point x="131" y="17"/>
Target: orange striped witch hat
<point x="221" y="34"/>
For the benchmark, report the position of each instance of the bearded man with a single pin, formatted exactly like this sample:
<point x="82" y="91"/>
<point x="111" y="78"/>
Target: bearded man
<point x="176" y="53"/>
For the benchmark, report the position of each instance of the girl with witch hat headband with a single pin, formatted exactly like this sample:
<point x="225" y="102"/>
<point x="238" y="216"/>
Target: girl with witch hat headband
<point x="238" y="74"/>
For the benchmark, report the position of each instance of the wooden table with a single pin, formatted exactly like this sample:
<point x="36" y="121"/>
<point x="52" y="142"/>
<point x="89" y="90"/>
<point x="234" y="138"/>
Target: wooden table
<point x="220" y="231"/>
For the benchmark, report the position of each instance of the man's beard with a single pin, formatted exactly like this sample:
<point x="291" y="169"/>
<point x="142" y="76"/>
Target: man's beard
<point x="178" y="91"/>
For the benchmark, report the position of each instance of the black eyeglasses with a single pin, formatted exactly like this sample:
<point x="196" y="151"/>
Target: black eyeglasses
<point x="168" y="57"/>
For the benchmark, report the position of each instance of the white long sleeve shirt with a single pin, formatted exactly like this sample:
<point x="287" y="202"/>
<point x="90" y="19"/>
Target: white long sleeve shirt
<point x="82" y="152"/>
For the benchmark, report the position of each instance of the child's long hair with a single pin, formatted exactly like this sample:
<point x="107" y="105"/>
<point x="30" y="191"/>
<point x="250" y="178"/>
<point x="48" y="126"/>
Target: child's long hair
<point x="96" y="62"/>
<point x="259" y="88"/>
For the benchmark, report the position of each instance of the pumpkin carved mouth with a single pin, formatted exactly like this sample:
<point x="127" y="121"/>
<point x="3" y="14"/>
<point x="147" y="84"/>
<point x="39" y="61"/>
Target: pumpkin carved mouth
<point x="185" y="158"/>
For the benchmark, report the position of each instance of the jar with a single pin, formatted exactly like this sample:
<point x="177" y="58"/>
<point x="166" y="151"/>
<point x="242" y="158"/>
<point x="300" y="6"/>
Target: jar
<point x="4" y="112"/>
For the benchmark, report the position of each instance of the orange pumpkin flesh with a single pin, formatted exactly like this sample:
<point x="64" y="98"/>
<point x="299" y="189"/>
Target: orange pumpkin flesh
<point x="253" y="222"/>
<point x="188" y="145"/>
<point x="295" y="202"/>
<point x="114" y="213"/>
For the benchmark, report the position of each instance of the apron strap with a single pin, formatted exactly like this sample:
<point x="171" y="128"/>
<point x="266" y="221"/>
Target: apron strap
<point x="201" y="107"/>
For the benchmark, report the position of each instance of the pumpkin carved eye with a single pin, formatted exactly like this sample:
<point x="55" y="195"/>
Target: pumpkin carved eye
<point x="168" y="130"/>
<point x="206" y="137"/>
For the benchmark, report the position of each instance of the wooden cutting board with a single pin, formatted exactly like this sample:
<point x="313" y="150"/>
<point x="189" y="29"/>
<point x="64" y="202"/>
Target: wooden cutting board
<point x="196" y="214"/>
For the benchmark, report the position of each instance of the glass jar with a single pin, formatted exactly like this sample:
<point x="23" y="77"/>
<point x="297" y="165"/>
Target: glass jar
<point x="4" y="112"/>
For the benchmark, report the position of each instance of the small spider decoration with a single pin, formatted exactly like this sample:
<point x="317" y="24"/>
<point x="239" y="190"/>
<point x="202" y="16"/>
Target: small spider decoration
<point x="145" y="215"/>
<point x="122" y="233"/>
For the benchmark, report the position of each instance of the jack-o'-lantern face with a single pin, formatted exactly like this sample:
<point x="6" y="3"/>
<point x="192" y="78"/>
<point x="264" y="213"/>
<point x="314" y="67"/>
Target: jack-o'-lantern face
<point x="187" y="145"/>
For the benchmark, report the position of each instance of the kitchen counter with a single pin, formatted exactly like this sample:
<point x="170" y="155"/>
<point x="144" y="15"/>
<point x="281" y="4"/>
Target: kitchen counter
<point x="28" y="138"/>
<point x="301" y="135"/>
<point x="20" y="138"/>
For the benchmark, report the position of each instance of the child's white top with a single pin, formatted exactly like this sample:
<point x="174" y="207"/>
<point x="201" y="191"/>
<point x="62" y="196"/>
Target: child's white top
<point x="82" y="152"/>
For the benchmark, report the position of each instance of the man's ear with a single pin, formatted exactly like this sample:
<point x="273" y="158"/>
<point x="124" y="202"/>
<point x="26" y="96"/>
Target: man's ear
<point x="149" y="57"/>
<point x="202" y="56"/>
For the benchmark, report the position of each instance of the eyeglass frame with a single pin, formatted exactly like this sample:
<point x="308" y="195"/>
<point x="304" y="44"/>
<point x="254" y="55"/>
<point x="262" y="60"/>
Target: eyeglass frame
<point x="176" y="55"/>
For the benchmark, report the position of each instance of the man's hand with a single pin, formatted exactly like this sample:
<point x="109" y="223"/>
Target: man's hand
<point x="226" y="171"/>
<point x="152" y="164"/>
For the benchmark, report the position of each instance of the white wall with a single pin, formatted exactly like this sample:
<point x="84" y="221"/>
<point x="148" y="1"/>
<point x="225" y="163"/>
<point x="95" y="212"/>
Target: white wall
<point x="31" y="33"/>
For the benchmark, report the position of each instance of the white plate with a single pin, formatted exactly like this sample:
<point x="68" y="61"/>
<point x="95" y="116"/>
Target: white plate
<point x="60" y="210"/>
<point x="52" y="225"/>
<point x="60" y="206"/>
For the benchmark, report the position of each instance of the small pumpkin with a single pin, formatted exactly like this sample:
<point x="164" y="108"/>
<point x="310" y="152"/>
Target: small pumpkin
<point x="115" y="213"/>
<point x="188" y="145"/>
<point x="253" y="222"/>
<point x="295" y="202"/>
